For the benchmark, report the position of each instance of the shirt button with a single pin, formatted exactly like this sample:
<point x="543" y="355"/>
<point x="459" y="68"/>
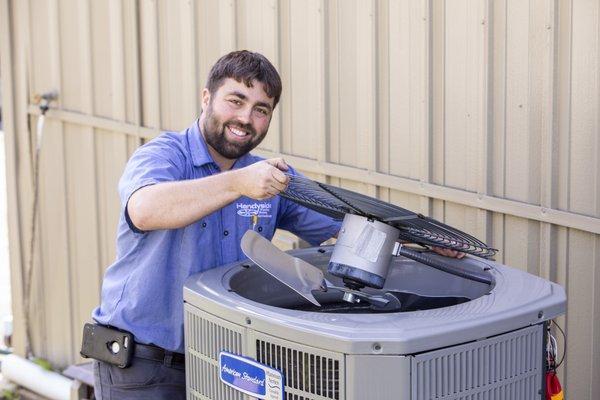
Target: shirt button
<point x="260" y="228"/>
<point x="204" y="224"/>
<point x="226" y="233"/>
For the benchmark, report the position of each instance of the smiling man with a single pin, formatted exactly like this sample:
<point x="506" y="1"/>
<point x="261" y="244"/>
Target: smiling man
<point x="187" y="198"/>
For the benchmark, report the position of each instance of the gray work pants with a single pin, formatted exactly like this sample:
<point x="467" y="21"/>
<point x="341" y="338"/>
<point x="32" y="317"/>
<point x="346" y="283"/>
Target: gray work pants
<point x="144" y="379"/>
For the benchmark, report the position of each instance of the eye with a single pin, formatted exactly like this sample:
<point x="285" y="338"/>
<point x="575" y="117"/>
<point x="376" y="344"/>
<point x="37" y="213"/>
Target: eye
<point x="263" y="111"/>
<point x="236" y="102"/>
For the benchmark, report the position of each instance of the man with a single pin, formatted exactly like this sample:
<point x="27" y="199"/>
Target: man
<point x="187" y="198"/>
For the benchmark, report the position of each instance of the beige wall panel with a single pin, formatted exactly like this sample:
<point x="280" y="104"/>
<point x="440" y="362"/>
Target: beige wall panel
<point x="102" y="54"/>
<point x="580" y="315"/>
<point x="53" y="273"/>
<point x="177" y="64"/>
<point x="563" y="94"/>
<point x="55" y="246"/>
<point x="149" y="59"/>
<point x="585" y="103"/>
<point x="405" y="200"/>
<point x="465" y="107"/>
<point x="521" y="244"/>
<point x="10" y="77"/>
<point x="112" y="155"/>
<point x="491" y="97"/>
<point x="351" y="44"/>
<point x="80" y="168"/>
<point x="354" y="77"/>
<point x="117" y="62"/>
<point x="258" y="30"/>
<point x="437" y="209"/>
<point x="497" y="240"/>
<point x="71" y="55"/>
<point x="132" y="62"/>
<point x="498" y="102"/>
<point x="595" y="352"/>
<point x="18" y="145"/>
<point x="461" y="217"/>
<point x="383" y="110"/>
<point x="518" y="149"/>
<point x="333" y="62"/>
<point x="410" y="141"/>
<point x="437" y="94"/>
<point x="562" y="277"/>
<point x="409" y="89"/>
<point x="465" y="43"/>
<point x="305" y="93"/>
<point x="215" y="33"/>
<point x="353" y="185"/>
<point x="82" y="205"/>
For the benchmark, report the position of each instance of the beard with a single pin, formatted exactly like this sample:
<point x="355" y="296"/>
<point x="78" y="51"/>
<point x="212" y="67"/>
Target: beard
<point x="215" y="135"/>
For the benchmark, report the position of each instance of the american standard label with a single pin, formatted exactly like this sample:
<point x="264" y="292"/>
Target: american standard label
<point x="250" y="377"/>
<point x="261" y="210"/>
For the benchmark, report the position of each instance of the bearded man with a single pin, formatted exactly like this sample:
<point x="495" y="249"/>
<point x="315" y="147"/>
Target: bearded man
<point x="186" y="200"/>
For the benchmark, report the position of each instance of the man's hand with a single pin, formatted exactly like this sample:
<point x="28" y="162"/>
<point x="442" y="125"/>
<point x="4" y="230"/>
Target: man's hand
<point x="448" y="252"/>
<point x="263" y="179"/>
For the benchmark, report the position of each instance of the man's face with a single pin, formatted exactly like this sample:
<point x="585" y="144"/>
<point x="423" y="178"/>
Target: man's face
<point x="236" y="117"/>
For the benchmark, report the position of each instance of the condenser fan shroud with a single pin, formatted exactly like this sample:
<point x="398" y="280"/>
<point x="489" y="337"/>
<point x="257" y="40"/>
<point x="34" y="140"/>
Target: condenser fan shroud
<point x="417" y="287"/>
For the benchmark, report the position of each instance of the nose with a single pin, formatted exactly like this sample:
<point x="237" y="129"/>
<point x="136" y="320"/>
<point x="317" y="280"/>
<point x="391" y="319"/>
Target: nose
<point x="244" y="115"/>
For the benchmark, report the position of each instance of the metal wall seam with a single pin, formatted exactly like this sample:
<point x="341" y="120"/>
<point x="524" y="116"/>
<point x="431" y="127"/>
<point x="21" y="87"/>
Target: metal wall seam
<point x="438" y="87"/>
<point x="422" y="16"/>
<point x="485" y="137"/>
<point x="383" y="91"/>
<point x="9" y="70"/>
<point x="548" y="160"/>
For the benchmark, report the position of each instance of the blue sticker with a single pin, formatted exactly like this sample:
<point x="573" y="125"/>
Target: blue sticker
<point x="250" y="377"/>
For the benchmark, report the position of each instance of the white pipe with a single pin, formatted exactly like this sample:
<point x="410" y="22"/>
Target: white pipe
<point x="33" y="377"/>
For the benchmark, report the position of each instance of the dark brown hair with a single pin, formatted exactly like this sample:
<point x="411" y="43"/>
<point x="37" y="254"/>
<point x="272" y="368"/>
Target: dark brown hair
<point x="245" y="66"/>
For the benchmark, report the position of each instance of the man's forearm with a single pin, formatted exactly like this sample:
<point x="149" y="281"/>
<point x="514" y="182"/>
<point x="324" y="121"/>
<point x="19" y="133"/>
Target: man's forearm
<point x="172" y="205"/>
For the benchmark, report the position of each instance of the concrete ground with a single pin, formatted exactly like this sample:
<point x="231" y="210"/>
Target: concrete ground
<point x="5" y="308"/>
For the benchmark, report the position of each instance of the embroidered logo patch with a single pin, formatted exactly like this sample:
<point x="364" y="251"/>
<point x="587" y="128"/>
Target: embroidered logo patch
<point x="261" y="210"/>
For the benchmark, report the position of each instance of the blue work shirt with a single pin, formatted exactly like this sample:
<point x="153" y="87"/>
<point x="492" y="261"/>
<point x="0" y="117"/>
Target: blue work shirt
<point x="142" y="291"/>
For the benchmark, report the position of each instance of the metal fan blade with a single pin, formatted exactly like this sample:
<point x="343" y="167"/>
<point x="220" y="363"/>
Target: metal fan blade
<point x="295" y="273"/>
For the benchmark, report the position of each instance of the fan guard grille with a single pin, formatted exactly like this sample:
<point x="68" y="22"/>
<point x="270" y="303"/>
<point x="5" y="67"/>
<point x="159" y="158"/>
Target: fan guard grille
<point x="416" y="228"/>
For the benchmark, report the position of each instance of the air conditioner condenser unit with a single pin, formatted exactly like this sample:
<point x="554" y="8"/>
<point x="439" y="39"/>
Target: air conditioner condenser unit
<point x="451" y="337"/>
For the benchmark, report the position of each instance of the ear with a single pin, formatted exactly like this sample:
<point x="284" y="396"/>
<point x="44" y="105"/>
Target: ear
<point x="205" y="98"/>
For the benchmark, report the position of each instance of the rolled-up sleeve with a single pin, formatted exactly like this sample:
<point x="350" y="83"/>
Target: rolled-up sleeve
<point x="157" y="161"/>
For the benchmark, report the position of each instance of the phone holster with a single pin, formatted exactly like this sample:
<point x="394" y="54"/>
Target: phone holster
<point x="107" y="344"/>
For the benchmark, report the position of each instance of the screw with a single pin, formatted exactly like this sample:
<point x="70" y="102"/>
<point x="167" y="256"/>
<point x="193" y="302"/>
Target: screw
<point x="248" y="321"/>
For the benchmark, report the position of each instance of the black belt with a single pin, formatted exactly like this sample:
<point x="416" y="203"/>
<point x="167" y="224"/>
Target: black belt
<point x="155" y="353"/>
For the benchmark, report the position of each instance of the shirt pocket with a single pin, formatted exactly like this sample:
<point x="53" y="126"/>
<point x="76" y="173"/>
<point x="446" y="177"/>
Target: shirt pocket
<point x="197" y="247"/>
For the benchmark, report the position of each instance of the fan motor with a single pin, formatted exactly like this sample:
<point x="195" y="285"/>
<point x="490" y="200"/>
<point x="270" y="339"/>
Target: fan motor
<point x="363" y="252"/>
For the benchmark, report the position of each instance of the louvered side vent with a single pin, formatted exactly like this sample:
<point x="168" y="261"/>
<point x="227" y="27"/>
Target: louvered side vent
<point x="205" y="337"/>
<point x="508" y="366"/>
<point x="310" y="373"/>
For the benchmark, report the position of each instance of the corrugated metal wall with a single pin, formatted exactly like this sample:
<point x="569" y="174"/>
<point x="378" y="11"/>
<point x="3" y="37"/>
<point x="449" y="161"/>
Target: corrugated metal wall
<point x="484" y="114"/>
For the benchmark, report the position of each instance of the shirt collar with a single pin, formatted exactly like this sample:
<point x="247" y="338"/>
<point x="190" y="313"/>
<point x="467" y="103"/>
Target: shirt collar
<point x="200" y="153"/>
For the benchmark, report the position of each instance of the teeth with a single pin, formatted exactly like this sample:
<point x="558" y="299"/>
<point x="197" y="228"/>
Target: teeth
<point x="237" y="132"/>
